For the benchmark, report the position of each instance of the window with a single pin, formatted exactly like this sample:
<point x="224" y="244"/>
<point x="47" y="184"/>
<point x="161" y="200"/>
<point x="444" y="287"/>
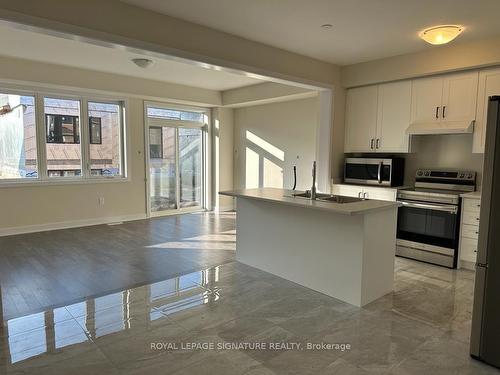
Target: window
<point x="105" y="138"/>
<point x="66" y="149"/>
<point x="18" y="143"/>
<point x="155" y="143"/>
<point x="62" y="129"/>
<point x="64" y="173"/>
<point x="173" y="114"/>
<point x="95" y="130"/>
<point x="63" y="150"/>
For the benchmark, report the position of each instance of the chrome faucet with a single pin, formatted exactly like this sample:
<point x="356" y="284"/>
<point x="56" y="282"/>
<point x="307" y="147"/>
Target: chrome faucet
<point x="313" y="187"/>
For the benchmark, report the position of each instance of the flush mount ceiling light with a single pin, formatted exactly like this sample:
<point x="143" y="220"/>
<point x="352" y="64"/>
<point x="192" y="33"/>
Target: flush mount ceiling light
<point x="142" y="63"/>
<point x="441" y="34"/>
<point x="327" y="26"/>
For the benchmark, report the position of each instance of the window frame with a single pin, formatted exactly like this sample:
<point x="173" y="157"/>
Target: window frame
<point x="85" y="177"/>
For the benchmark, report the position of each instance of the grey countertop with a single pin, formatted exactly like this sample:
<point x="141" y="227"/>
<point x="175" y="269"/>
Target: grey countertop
<point x="280" y="196"/>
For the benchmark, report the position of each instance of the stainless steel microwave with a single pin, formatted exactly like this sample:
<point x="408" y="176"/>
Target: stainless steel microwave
<point x="374" y="171"/>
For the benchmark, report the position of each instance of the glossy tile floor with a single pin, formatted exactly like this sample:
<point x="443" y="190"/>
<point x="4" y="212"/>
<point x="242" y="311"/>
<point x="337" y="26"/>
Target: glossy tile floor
<point x="200" y="322"/>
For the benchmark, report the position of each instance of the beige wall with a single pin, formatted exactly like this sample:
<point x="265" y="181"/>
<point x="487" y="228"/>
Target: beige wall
<point x="71" y="204"/>
<point x="442" y="151"/>
<point x="288" y="126"/>
<point x="36" y="73"/>
<point x="441" y="59"/>
<point x="44" y="205"/>
<point x="263" y="93"/>
<point x="224" y="155"/>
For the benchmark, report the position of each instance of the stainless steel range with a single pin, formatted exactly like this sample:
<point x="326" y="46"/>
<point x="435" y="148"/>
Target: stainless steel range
<point x="429" y="218"/>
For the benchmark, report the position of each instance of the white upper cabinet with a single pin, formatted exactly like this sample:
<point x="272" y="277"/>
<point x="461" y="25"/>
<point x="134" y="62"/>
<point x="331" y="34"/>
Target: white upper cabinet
<point x="393" y="117"/>
<point x="489" y="85"/>
<point x="361" y="119"/>
<point x="444" y="98"/>
<point x="377" y="118"/>
<point x="426" y="100"/>
<point x="459" y="97"/>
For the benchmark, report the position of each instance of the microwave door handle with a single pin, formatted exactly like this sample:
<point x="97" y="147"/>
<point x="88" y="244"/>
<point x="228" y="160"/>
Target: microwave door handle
<point x="379" y="174"/>
<point x="449" y="209"/>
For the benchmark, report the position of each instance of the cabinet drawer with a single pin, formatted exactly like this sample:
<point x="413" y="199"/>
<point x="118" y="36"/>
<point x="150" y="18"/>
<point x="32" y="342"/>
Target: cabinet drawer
<point x="383" y="194"/>
<point x="473" y="205"/>
<point x="468" y="249"/>
<point x="470" y="217"/>
<point x="470" y="231"/>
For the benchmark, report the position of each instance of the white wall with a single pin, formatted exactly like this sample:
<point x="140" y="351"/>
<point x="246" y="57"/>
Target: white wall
<point x="281" y="135"/>
<point x="223" y="119"/>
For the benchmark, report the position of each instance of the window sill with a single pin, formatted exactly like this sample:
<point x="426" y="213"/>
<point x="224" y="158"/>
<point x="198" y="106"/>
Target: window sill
<point x="63" y="181"/>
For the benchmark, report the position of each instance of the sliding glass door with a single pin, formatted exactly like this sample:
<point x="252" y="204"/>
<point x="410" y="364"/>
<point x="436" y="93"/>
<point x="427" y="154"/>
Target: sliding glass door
<point x="190" y="167"/>
<point x="175" y="160"/>
<point x="162" y="168"/>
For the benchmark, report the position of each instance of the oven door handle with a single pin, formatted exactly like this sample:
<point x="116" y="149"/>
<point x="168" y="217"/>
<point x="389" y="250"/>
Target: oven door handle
<point x="446" y="208"/>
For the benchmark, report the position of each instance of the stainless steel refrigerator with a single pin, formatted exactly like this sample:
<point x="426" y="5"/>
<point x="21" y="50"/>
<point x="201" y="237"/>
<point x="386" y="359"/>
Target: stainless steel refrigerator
<point x="485" y="334"/>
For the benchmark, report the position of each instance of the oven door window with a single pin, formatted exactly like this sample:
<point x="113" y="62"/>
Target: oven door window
<point x="432" y="227"/>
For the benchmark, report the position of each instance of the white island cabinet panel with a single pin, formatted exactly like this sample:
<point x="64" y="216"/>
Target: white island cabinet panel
<point x="346" y="250"/>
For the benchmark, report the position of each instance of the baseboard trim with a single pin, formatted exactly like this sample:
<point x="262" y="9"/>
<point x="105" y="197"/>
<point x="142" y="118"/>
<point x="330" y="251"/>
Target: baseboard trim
<point x="224" y="209"/>
<point x="68" y="224"/>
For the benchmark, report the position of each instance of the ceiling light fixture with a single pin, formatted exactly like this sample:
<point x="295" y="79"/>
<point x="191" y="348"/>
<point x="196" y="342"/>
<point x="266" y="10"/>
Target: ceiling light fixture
<point x="142" y="63"/>
<point x="441" y="34"/>
<point x="326" y="26"/>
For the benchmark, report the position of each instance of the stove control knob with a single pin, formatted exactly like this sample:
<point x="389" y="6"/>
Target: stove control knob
<point x="461" y="175"/>
<point x="420" y="173"/>
<point x="427" y="173"/>
<point x="469" y="176"/>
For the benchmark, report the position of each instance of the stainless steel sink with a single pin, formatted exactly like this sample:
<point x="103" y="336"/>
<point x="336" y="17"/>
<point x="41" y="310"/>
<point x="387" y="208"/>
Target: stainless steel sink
<point x="307" y="195"/>
<point x="340" y="199"/>
<point x="322" y="197"/>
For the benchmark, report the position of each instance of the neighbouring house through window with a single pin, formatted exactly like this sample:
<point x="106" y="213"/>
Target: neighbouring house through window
<point x="62" y="128"/>
<point x="155" y="142"/>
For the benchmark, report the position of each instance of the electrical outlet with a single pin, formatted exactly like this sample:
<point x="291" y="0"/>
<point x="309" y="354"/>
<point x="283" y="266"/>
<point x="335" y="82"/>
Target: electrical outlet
<point x="100" y="200"/>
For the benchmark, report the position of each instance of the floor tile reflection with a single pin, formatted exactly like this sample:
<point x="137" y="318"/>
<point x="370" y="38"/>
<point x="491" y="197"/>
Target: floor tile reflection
<point x="422" y="327"/>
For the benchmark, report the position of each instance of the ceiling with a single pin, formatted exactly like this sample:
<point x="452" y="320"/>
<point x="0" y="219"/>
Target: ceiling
<point x="52" y="49"/>
<point x="362" y="30"/>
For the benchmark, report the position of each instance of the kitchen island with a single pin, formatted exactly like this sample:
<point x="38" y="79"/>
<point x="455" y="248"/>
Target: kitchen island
<point x="344" y="250"/>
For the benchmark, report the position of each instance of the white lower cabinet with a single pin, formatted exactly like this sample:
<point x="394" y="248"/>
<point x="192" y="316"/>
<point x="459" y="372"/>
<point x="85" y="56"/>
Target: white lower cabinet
<point x="367" y="192"/>
<point x="469" y="231"/>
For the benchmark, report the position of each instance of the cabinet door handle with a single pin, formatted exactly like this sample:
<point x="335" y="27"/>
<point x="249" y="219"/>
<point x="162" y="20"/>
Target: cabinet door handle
<point x="359" y="194"/>
<point x="365" y="195"/>
<point x="444" y="111"/>
<point x="378" y="143"/>
<point x="371" y="144"/>
<point x="437" y="112"/>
